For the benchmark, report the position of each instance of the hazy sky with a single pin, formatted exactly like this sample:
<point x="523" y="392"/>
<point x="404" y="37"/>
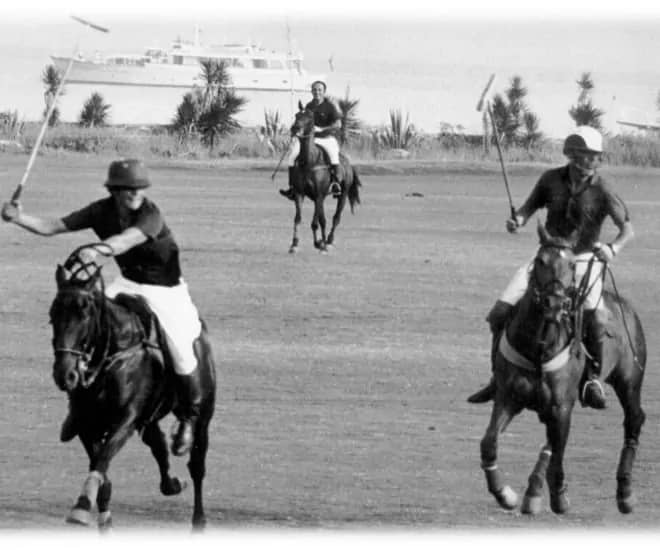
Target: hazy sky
<point x="416" y="56"/>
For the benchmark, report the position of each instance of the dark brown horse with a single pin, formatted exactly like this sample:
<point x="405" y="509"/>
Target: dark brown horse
<point x="539" y="364"/>
<point x="111" y="361"/>
<point x="312" y="180"/>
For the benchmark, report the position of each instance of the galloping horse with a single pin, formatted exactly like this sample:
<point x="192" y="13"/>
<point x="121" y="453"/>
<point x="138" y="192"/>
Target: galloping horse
<point x="313" y="181"/>
<point x="111" y="359"/>
<point x="539" y="364"/>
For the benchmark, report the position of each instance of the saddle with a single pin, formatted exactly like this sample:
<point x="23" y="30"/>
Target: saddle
<point x="152" y="333"/>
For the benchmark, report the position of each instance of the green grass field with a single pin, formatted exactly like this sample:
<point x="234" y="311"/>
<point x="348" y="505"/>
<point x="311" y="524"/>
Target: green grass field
<point x="342" y="378"/>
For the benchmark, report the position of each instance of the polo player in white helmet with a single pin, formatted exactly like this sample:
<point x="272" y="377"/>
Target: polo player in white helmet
<point x="578" y="201"/>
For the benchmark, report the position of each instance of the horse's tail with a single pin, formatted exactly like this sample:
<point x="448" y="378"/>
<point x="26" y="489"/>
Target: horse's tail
<point x="354" y="190"/>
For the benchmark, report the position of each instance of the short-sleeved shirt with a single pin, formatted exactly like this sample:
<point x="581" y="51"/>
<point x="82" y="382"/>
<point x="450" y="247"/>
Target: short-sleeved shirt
<point x="575" y="211"/>
<point x="154" y="262"/>
<point x="325" y="114"/>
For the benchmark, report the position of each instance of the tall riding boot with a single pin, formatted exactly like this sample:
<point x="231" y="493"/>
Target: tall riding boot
<point x="497" y="318"/>
<point x="288" y="193"/>
<point x="189" y="395"/>
<point x="69" y="428"/>
<point x="335" y="187"/>
<point x="592" y="393"/>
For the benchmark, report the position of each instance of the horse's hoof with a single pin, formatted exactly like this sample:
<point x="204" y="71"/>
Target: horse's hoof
<point x="626" y="505"/>
<point x="531" y="505"/>
<point x="559" y="504"/>
<point x="507" y="498"/>
<point x="105" y="522"/>
<point x="78" y="516"/>
<point x="293" y="250"/>
<point x="323" y="250"/>
<point x="172" y="486"/>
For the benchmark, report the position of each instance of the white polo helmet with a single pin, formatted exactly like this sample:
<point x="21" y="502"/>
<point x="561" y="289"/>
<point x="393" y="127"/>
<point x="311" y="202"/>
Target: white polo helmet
<point x="585" y="138"/>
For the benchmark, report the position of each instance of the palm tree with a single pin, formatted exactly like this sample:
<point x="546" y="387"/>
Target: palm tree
<point x="218" y="120"/>
<point x="95" y="112"/>
<point x="216" y="79"/>
<point x="586" y="85"/>
<point x="51" y="79"/>
<point x="585" y="113"/>
<point x="350" y="124"/>
<point x="532" y="135"/>
<point x="187" y="115"/>
<point x="210" y="109"/>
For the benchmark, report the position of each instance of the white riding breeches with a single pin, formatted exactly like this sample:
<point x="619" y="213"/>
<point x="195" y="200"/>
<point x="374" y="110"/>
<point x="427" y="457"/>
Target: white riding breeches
<point x="329" y="144"/>
<point x="518" y="284"/>
<point x="176" y="313"/>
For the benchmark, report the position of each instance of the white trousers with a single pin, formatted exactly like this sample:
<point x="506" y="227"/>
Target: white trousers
<point x="329" y="144"/>
<point x="176" y="313"/>
<point x="518" y="284"/>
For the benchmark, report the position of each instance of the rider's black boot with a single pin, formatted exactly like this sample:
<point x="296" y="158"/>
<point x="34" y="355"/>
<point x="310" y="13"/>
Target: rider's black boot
<point x="497" y="319"/>
<point x="288" y="193"/>
<point x="189" y="395"/>
<point x="335" y="187"/>
<point x="592" y="393"/>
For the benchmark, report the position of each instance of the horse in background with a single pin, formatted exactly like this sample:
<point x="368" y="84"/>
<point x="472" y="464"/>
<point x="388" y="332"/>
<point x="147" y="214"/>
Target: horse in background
<point x="538" y="366"/>
<point x="112" y="361"/>
<point x="312" y="180"/>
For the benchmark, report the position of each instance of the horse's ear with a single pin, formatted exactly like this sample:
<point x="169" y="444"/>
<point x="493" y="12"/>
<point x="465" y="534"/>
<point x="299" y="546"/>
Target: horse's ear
<point x="61" y="276"/>
<point x="300" y="106"/>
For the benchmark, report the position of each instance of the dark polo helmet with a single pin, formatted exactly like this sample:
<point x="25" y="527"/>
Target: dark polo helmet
<point x="127" y="174"/>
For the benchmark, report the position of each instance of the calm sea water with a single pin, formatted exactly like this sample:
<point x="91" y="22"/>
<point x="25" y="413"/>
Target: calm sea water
<point x="433" y="70"/>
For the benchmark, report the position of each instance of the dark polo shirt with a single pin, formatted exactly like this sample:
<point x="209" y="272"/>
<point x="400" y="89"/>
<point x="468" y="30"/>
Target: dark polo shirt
<point x="575" y="211"/>
<point x="154" y="262"/>
<point x="325" y="114"/>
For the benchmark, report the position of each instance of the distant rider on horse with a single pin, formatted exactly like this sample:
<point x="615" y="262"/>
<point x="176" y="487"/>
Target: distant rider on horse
<point x="148" y="258"/>
<point x="578" y="201"/>
<point x="327" y="121"/>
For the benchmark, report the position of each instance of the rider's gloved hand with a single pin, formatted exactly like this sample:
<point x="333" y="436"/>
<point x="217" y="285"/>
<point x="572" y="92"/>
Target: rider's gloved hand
<point x="11" y="211"/>
<point x="512" y="224"/>
<point x="604" y="252"/>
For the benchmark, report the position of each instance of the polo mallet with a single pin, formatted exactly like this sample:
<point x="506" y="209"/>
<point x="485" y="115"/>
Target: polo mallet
<point x="51" y="108"/>
<point x="288" y="147"/>
<point x="484" y="103"/>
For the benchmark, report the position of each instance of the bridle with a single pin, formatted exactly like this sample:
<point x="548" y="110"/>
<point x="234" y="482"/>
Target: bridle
<point x="306" y="134"/>
<point x="554" y="288"/>
<point x="88" y="349"/>
<point x="92" y="271"/>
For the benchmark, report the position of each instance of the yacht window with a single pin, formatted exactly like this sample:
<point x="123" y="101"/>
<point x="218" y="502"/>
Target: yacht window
<point x="177" y="59"/>
<point x="260" y="63"/>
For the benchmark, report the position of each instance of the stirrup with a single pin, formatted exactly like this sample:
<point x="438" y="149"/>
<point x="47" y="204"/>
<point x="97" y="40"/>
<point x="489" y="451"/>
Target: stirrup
<point x="288" y="193"/>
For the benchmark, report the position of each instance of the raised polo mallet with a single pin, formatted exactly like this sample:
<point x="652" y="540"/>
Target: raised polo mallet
<point x="484" y="103"/>
<point x="51" y="108"/>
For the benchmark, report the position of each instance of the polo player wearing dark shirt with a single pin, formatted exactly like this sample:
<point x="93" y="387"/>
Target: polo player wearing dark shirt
<point x="578" y="201"/>
<point x="148" y="258"/>
<point x="327" y="121"/>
